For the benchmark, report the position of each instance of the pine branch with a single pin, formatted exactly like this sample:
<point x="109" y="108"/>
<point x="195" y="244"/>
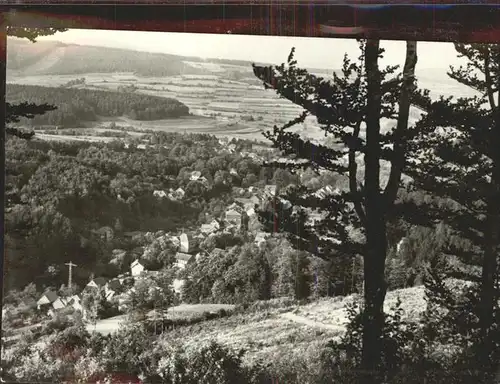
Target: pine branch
<point x="28" y="110"/>
<point x="32" y="33"/>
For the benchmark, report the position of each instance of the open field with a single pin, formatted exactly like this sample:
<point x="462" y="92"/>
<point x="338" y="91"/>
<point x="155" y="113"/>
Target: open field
<point x="289" y="330"/>
<point x="219" y="107"/>
<point x="224" y="96"/>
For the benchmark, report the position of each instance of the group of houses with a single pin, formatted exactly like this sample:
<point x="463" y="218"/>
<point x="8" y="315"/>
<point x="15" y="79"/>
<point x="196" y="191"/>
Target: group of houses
<point x="51" y="301"/>
<point x="235" y="215"/>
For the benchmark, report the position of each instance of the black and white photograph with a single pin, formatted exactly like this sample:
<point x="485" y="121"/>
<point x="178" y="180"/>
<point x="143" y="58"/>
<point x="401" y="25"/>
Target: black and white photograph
<point x="219" y="209"/>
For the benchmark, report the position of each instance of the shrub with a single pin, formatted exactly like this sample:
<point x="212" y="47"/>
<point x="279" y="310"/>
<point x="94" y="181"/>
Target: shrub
<point x="209" y="364"/>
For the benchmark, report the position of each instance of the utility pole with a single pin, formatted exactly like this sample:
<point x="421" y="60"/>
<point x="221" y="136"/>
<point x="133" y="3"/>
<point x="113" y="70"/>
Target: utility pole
<point x="352" y="274"/>
<point x="70" y="275"/>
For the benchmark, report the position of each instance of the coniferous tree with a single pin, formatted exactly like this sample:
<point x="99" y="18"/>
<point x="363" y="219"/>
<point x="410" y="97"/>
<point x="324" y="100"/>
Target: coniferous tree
<point x="462" y="172"/>
<point x="355" y="220"/>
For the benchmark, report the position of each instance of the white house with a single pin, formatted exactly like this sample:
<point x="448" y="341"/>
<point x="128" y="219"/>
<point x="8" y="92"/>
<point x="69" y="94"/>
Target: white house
<point x="195" y="175"/>
<point x="177" y="285"/>
<point x="182" y="259"/>
<point x="261" y="237"/>
<point x="210" y="228"/>
<point x="180" y="193"/>
<point x="136" y="268"/>
<point x="159" y="193"/>
<point x="402" y="244"/>
<point x="47" y="298"/>
<point x="233" y="217"/>
<point x="75" y="302"/>
<point x="98" y="282"/>
<point x="112" y="287"/>
<point x="175" y="241"/>
<point x="184" y="243"/>
<point x="233" y="171"/>
<point x="60" y="303"/>
<point x="270" y="190"/>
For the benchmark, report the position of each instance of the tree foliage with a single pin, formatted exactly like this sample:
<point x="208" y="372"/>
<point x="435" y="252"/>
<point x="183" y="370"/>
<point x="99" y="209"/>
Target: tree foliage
<point x="354" y="221"/>
<point x="459" y="166"/>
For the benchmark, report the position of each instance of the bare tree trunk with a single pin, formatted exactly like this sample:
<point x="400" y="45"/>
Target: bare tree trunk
<point x="376" y="242"/>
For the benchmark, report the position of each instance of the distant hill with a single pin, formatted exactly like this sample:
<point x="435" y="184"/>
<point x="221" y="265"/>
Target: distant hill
<point x="55" y="58"/>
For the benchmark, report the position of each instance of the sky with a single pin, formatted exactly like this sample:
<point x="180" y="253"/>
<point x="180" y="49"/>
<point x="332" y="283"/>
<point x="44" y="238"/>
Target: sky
<point x="310" y="52"/>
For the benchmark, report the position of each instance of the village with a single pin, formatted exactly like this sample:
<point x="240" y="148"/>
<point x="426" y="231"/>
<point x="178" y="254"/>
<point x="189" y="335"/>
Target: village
<point x="236" y="219"/>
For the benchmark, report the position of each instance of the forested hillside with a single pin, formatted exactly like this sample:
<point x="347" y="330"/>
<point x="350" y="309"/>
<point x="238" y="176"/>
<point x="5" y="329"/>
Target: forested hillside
<point x="66" y="59"/>
<point x="79" y="105"/>
<point x="59" y="194"/>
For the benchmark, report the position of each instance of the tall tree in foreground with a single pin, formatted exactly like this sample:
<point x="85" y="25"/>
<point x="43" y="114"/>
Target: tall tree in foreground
<point x="463" y="168"/>
<point x="354" y="221"/>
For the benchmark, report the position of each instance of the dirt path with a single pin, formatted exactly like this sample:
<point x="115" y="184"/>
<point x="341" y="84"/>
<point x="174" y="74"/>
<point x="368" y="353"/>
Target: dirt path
<point x="311" y="323"/>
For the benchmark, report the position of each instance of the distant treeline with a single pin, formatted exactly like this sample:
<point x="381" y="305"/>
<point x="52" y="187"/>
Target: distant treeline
<point x="76" y="106"/>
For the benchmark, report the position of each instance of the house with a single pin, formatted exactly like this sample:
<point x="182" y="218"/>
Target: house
<point x="184" y="243"/>
<point x="326" y="191"/>
<point x="159" y="193"/>
<point x="251" y="212"/>
<point x="402" y="245"/>
<point x="231" y="148"/>
<point x="47" y="298"/>
<point x="260" y="238"/>
<point x="177" y="285"/>
<point x="180" y="192"/>
<point x="234" y="206"/>
<point x="182" y="259"/>
<point x="223" y="141"/>
<point x="200" y="255"/>
<point x="105" y="233"/>
<point x="233" y="171"/>
<point x="247" y="203"/>
<point x="199" y="236"/>
<point x="75" y="302"/>
<point x="195" y="175"/>
<point x="136" y="268"/>
<point x="59" y="303"/>
<point x="114" y="286"/>
<point x="314" y="218"/>
<point x="98" y="282"/>
<point x="255" y="200"/>
<point x="233" y="217"/>
<point x="141" y="146"/>
<point x="270" y="190"/>
<point x="210" y="228"/>
<point x="175" y="241"/>
<point x="207" y="228"/>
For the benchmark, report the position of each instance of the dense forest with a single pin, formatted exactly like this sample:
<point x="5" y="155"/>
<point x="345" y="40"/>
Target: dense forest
<point x="76" y="106"/>
<point x="60" y="193"/>
<point x="77" y="59"/>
